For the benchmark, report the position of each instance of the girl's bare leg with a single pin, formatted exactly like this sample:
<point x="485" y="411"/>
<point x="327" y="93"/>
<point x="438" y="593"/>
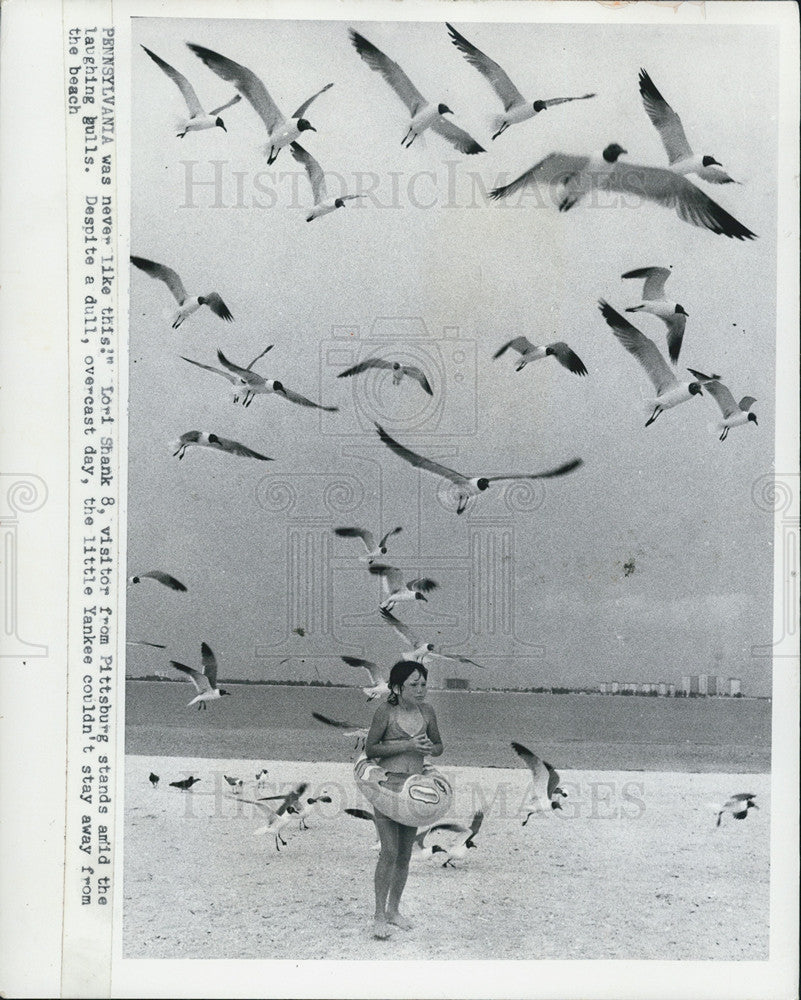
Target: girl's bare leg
<point x="387" y="860"/>
<point x="406" y="835"/>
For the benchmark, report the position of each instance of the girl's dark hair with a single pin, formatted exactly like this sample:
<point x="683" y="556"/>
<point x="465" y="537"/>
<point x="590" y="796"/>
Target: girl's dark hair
<point x="399" y="674"/>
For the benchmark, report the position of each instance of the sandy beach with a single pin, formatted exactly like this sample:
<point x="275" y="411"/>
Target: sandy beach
<point x="634" y="868"/>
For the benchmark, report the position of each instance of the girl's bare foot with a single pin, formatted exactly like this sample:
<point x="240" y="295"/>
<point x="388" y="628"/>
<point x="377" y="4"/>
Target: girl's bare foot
<point x="399" y="921"/>
<point x="381" y="929"/>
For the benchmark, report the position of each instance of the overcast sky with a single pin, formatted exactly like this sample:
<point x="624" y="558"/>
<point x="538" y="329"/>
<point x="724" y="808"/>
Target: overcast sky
<point x="428" y="269"/>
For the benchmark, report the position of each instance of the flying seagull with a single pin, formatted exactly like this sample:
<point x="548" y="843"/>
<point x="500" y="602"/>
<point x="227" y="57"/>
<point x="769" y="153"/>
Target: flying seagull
<point x="247" y="384"/>
<point x="205" y="440"/>
<point x="280" y="131"/>
<point x="574" y="176"/>
<point x="156" y="574"/>
<point x="421" y="651"/>
<point x="468" y="486"/>
<point x="458" y="848"/>
<point x="153" y="779"/>
<point x="198" y="119"/>
<point x="184" y="785"/>
<point x="374" y="551"/>
<point x="545" y="789"/>
<point x="424" y="115"/>
<point x="323" y="205"/>
<point x="669" y="391"/>
<point x="398" y="372"/>
<point x="738" y="805"/>
<point x="187" y="305"/>
<point x="734" y="414"/>
<point x="350" y="729"/>
<point x="668" y="124"/>
<point x="516" y="107"/>
<point x="379" y="688"/>
<point x="205" y="681"/>
<point x="396" y="590"/>
<point x="531" y="352"/>
<point x="281" y="816"/>
<point x="672" y="314"/>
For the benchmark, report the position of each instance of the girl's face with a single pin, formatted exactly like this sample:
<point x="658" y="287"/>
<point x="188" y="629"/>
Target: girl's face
<point x="413" y="690"/>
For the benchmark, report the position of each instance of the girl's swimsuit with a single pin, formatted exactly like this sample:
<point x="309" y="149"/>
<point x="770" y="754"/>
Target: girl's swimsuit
<point x="410" y="761"/>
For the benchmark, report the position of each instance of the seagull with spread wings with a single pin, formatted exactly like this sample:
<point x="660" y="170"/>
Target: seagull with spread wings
<point x="350" y="729"/>
<point x="734" y="414"/>
<point x="205" y="680"/>
<point x="163" y="578"/>
<point x="669" y="391"/>
<point x="280" y="130"/>
<point x="198" y="118"/>
<point x="186" y="304"/>
<point x="738" y="805"/>
<point x="247" y="384"/>
<point x="373" y="550"/>
<point x="396" y="589"/>
<point x="457" y="847"/>
<point x="424" y="115"/>
<point x="419" y="650"/>
<point x="671" y="131"/>
<point x="545" y="791"/>
<point x="516" y="108"/>
<point x="529" y="352"/>
<point x="379" y="687"/>
<point x="399" y="371"/>
<point x="575" y="176"/>
<point x="464" y="486"/>
<point x="672" y="314"/>
<point x="203" y="439"/>
<point x="323" y="205"/>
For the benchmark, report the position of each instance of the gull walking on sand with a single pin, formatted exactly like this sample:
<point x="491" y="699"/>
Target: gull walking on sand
<point x="186" y="304"/>
<point x="205" y="681"/>
<point x="669" y="391"/>
<point x="575" y="176"/>
<point x="198" y="119"/>
<point x="424" y="115"/>
<point x="672" y="314"/>
<point x="184" y="785"/>
<point x="668" y="124"/>
<point x="374" y="550"/>
<point x="545" y="791"/>
<point x="280" y="131"/>
<point x="734" y="414"/>
<point x="516" y="108"/>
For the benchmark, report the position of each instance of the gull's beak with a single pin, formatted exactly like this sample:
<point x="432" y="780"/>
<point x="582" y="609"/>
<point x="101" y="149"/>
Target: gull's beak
<point x="222" y="126"/>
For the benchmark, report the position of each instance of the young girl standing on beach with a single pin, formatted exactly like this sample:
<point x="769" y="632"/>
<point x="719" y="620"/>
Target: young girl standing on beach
<point x="404" y="731"/>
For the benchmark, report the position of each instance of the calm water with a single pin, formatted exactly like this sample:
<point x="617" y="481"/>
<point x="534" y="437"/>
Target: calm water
<point x="592" y="732"/>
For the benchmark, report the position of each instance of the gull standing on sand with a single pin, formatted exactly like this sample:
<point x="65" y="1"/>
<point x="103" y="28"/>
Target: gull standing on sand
<point x="153" y="779"/>
<point x="379" y="688"/>
<point x="396" y="590"/>
<point x="236" y="784"/>
<point x="738" y="805"/>
<point x="350" y="729"/>
<point x="198" y="119"/>
<point x="374" y="551"/>
<point x="464" y="486"/>
<point x="280" y="131"/>
<point x="203" y="439"/>
<point x="205" y="681"/>
<point x="187" y="305"/>
<point x="399" y="371"/>
<point x="247" y="384"/>
<point x="156" y="574"/>
<point x="323" y="205"/>
<point x="516" y="107"/>
<point x="531" y="352"/>
<point x="424" y="115"/>
<point x="421" y="651"/>
<point x="672" y="314"/>
<point x="574" y="176"/>
<point x="734" y="414"/>
<point x="669" y="391"/>
<point x="184" y="785"/>
<point x="545" y="789"/>
<point x="668" y="124"/>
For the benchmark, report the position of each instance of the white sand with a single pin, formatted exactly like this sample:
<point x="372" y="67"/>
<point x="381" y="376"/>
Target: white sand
<point x="634" y="868"/>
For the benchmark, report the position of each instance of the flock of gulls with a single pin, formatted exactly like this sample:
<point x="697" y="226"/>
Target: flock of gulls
<point x="571" y="178"/>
